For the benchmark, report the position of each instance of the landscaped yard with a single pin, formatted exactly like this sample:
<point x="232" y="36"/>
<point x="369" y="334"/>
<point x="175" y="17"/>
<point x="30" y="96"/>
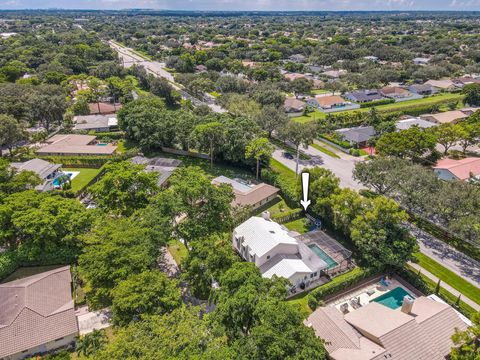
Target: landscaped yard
<point x="316" y="115"/>
<point x="449" y="277"/>
<point x="275" y="207"/>
<point x="178" y="250"/>
<point x="84" y="177"/>
<point x="300" y="225"/>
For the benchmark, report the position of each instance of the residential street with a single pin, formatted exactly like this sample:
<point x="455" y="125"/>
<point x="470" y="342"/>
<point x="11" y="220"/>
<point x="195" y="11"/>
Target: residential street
<point x="454" y="260"/>
<point x="342" y="168"/>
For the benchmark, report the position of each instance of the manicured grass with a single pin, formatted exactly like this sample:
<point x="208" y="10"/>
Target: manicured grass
<point x="301" y="301"/>
<point x="320" y="91"/>
<point x="325" y="150"/>
<point x="315" y="115"/>
<point x="399" y="106"/>
<point x="178" y="250"/>
<point x="80" y="181"/>
<point x="215" y="94"/>
<point x="274" y="207"/>
<point x="449" y="277"/>
<point x="300" y="225"/>
<point x="282" y="169"/>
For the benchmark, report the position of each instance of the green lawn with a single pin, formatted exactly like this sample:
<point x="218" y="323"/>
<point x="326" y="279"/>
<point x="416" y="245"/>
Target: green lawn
<point x="80" y="181"/>
<point x="281" y="169"/>
<point x="274" y="207"/>
<point x="178" y="251"/>
<point x="399" y="106"/>
<point x="325" y="150"/>
<point x="319" y="91"/>
<point x="449" y="277"/>
<point x="300" y="225"/>
<point x="301" y="301"/>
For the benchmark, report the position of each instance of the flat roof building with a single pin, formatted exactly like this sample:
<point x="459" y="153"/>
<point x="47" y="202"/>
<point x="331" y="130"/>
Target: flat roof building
<point x="70" y="144"/>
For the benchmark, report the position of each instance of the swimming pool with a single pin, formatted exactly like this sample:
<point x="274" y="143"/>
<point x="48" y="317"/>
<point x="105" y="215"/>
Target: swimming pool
<point x="323" y="255"/>
<point x="57" y="182"/>
<point x="393" y="299"/>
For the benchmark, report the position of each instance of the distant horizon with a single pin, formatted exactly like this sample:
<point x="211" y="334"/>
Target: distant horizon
<point x="247" y="5"/>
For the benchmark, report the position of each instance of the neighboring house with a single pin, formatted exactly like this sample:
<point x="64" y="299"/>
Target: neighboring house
<point x="98" y="123"/>
<point x="327" y="102"/>
<point x="276" y="252"/>
<point x="335" y="74"/>
<point x="420" y="330"/>
<point x="466" y="80"/>
<point x="37" y="314"/>
<point x="446" y="117"/>
<point x="464" y="169"/>
<point x="293" y="76"/>
<point x="395" y="92"/>
<point x="362" y="96"/>
<point x="104" y="108"/>
<point x="422" y="89"/>
<point x="445" y="85"/>
<point x="299" y="58"/>
<point x="45" y="171"/>
<point x="251" y="195"/>
<point x="406" y="124"/>
<point x="200" y="68"/>
<point x="293" y="105"/>
<point x="357" y="136"/>
<point x="318" y="84"/>
<point x="70" y="144"/>
<point x="421" y="61"/>
<point x="371" y="58"/>
<point x="163" y="166"/>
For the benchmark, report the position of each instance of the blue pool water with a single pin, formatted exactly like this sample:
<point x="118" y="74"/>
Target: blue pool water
<point x="102" y="144"/>
<point x="323" y="255"/>
<point x="393" y="299"/>
<point x="56" y="182"/>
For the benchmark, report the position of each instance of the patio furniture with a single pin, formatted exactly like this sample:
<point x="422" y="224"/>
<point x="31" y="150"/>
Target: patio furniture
<point x="371" y="292"/>
<point x="344" y="308"/>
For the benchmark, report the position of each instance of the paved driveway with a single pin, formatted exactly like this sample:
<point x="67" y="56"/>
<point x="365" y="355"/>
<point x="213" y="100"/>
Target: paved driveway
<point x="342" y="168"/>
<point x="92" y="320"/>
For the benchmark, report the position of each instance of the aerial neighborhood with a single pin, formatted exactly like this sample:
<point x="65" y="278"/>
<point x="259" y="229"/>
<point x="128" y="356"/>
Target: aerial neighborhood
<point x="239" y="185"/>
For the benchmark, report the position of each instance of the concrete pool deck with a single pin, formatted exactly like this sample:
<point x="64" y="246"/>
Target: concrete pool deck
<point x="374" y="289"/>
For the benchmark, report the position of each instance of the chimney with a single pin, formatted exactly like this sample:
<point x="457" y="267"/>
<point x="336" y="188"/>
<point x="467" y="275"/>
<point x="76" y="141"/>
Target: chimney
<point x="407" y="304"/>
<point x="266" y="215"/>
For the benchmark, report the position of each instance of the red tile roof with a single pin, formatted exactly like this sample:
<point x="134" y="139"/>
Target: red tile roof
<point x="462" y="169"/>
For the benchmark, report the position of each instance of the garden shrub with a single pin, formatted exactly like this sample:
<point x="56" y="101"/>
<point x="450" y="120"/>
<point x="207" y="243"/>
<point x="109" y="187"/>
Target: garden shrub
<point x="376" y="103"/>
<point x="8" y="263"/>
<point x="343" y="282"/>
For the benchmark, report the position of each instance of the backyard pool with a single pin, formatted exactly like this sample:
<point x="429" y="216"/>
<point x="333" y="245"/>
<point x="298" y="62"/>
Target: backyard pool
<point x="71" y="175"/>
<point x="393" y="299"/>
<point x="323" y="255"/>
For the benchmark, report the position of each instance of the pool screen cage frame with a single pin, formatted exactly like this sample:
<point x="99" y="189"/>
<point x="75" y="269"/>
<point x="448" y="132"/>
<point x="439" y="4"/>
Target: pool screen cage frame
<point x="338" y="253"/>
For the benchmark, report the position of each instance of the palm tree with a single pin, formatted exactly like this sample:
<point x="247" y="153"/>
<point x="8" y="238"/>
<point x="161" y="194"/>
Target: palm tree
<point x="91" y="343"/>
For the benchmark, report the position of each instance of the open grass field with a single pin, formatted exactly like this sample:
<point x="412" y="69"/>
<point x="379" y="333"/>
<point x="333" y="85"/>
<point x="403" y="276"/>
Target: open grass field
<point x="80" y="181"/>
<point x="449" y="277"/>
<point x="399" y="106"/>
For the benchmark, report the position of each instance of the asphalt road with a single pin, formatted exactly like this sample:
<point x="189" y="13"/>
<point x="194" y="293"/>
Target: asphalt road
<point x="157" y="69"/>
<point x="342" y="168"/>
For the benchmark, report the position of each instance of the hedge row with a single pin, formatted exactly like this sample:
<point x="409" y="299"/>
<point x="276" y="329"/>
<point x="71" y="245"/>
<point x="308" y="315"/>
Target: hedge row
<point x="117" y="135"/>
<point x="12" y="260"/>
<point x="339" y="283"/>
<point x="84" y="161"/>
<point x="282" y="218"/>
<point x="418" y="109"/>
<point x="376" y="103"/>
<point x="427" y="286"/>
<point x="280" y="176"/>
<point x="335" y="140"/>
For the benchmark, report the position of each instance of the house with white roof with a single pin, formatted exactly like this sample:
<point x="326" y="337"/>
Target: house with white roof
<point x="275" y="251"/>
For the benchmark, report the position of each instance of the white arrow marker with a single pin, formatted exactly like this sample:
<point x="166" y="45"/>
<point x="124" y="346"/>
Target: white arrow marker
<point x="305" y="183"/>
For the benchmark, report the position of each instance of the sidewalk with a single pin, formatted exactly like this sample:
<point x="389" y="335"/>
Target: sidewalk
<point x="447" y="287"/>
<point x="454" y="260"/>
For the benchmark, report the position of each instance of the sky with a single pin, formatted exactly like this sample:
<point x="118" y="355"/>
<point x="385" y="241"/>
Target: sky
<point x="298" y="5"/>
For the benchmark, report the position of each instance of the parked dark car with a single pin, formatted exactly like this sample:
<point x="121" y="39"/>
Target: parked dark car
<point x="287" y="155"/>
